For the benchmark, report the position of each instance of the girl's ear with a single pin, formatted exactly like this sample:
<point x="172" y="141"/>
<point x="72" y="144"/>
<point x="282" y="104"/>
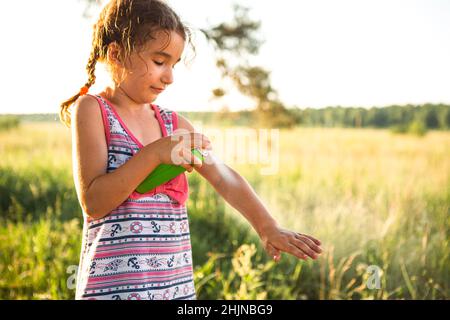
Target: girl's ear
<point x="114" y="54"/>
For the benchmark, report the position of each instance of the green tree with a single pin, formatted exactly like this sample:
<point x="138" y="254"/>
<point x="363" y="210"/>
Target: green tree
<point x="444" y="117"/>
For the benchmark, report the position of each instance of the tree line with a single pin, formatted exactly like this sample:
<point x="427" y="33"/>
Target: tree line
<point x="398" y="118"/>
<point x="430" y="116"/>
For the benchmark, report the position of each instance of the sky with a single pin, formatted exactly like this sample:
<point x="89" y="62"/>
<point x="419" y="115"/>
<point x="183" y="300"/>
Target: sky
<point x="320" y="53"/>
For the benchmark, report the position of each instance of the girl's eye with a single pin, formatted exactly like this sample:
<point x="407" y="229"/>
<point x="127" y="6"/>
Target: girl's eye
<point x="161" y="63"/>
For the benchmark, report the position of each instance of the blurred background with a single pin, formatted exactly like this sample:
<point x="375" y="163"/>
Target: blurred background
<point x="358" y="92"/>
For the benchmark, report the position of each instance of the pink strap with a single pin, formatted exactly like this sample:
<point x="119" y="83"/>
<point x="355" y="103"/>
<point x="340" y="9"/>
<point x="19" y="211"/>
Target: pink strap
<point x="160" y="120"/>
<point x="174" y="121"/>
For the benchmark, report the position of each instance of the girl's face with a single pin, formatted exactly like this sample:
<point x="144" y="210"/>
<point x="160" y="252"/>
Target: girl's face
<point x="149" y="72"/>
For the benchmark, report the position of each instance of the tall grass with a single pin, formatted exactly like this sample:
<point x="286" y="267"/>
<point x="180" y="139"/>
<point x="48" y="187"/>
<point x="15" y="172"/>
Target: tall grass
<point x="373" y="197"/>
<point x="8" y="122"/>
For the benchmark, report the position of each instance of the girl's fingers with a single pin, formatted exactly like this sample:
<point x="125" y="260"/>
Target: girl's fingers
<point x="317" y="242"/>
<point x="186" y="160"/>
<point x="302" y="246"/>
<point x="273" y="252"/>
<point x="191" y="160"/>
<point x="199" y="141"/>
<point x="193" y="140"/>
<point x="188" y="167"/>
<point x="295" y="251"/>
<point x="309" y="242"/>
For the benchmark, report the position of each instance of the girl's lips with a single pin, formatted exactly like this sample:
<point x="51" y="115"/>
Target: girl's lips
<point x="157" y="90"/>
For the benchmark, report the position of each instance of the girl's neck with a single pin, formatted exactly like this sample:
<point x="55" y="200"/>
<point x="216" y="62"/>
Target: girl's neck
<point x="122" y="100"/>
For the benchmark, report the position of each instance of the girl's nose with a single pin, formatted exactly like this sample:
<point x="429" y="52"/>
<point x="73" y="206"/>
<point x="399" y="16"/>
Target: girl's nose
<point x="167" y="77"/>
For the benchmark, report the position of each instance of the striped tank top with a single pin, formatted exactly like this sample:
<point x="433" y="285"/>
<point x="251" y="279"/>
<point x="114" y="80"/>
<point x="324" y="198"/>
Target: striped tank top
<point x="141" y="250"/>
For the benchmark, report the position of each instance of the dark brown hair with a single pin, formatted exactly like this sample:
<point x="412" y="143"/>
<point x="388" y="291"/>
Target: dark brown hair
<point x="131" y="24"/>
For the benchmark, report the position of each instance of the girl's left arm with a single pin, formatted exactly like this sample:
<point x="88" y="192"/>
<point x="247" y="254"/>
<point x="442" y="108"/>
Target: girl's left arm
<point x="241" y="196"/>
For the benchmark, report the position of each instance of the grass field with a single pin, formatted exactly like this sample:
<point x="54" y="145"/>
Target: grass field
<point x="377" y="200"/>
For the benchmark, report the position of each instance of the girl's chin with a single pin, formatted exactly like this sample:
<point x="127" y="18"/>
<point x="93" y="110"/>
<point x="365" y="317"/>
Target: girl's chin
<point x="152" y="97"/>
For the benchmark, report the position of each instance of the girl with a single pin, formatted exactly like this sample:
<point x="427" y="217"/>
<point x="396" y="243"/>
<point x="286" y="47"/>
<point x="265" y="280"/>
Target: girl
<point x="137" y="246"/>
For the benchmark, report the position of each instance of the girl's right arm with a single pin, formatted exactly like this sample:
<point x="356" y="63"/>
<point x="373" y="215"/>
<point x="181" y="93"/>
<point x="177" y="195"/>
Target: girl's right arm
<point x="100" y="192"/>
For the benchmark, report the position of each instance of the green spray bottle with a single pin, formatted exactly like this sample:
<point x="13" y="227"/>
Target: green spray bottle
<point x="163" y="173"/>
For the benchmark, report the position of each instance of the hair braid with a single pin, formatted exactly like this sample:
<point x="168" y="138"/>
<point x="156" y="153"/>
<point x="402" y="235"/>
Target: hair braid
<point x="64" y="113"/>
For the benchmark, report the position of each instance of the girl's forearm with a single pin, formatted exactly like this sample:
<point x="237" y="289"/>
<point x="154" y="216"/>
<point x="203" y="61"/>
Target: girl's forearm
<point x="241" y="196"/>
<point x="109" y="190"/>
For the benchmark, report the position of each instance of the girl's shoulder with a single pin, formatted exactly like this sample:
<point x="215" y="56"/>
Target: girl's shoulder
<point x="86" y="99"/>
<point x="87" y="121"/>
<point x="86" y="111"/>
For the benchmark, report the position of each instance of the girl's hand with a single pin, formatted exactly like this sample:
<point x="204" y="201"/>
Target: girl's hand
<point x="300" y="245"/>
<point x="176" y="149"/>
